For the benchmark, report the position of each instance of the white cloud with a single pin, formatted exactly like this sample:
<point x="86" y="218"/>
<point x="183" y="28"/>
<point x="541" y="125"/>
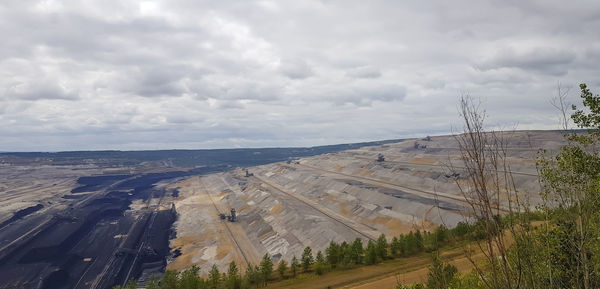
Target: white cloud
<point x="295" y="69"/>
<point x="271" y="73"/>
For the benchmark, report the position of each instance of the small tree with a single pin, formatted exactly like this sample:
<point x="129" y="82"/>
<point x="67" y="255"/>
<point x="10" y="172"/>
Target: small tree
<point x="490" y="191"/>
<point x="307" y="258"/>
<point x="189" y="278"/>
<point x="333" y="254"/>
<point x="441" y="234"/>
<point x="440" y="274"/>
<point x="152" y="283"/>
<point x="320" y="257"/>
<point x="410" y="244"/>
<point x="356" y="251"/>
<point x="419" y="241"/>
<point x="571" y="191"/>
<point x="252" y="276"/>
<point x="371" y="253"/>
<point x="266" y="267"/>
<point x="169" y="280"/>
<point x="382" y="247"/>
<point x="319" y="268"/>
<point x="320" y="264"/>
<point x="214" y="276"/>
<point x="395" y="246"/>
<point x="294" y="266"/>
<point x="281" y="268"/>
<point x="234" y="280"/>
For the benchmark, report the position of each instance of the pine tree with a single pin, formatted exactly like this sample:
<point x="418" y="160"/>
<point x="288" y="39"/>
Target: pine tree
<point x="169" y="280"/>
<point x="294" y="266"/>
<point x="214" y="276"/>
<point x="419" y="241"/>
<point x="356" y="254"/>
<point x="440" y="275"/>
<point x="189" y="278"/>
<point x="410" y="244"/>
<point x="395" y="246"/>
<point x="307" y="258"/>
<point x="234" y="280"/>
<point x="320" y="257"/>
<point x="382" y="247"/>
<point x="441" y="234"/>
<point x="320" y="264"/>
<point x="281" y="268"/>
<point x="333" y="254"/>
<point x="344" y="252"/>
<point x="252" y="275"/>
<point x="266" y="267"/>
<point x="371" y="253"/>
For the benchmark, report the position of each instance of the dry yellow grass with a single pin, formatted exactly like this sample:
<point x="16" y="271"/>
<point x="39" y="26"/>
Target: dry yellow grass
<point x="381" y="276"/>
<point x="222" y="252"/>
<point x="364" y="172"/>
<point x="338" y="167"/>
<point x="410" y="277"/>
<point x="276" y="209"/>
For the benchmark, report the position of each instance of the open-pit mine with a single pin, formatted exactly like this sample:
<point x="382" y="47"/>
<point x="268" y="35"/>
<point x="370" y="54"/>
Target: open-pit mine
<point x="95" y="220"/>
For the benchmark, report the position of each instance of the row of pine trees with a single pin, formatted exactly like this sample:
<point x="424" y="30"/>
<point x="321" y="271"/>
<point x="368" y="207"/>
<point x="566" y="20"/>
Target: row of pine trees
<point x="338" y="256"/>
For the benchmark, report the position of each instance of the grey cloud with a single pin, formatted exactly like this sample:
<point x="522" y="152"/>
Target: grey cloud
<point x="158" y="81"/>
<point x="364" y="72"/>
<point x="365" y="96"/>
<point x="182" y="119"/>
<point x="234" y="89"/>
<point x="387" y="93"/>
<point x="250" y="90"/>
<point x="542" y="60"/>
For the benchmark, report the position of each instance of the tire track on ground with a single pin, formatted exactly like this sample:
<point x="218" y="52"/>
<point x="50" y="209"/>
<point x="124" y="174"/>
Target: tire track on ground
<point x="225" y="223"/>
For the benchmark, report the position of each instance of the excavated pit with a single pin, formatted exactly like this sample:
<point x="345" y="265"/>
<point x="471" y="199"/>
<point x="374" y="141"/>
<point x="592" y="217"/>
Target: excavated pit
<point x="89" y="227"/>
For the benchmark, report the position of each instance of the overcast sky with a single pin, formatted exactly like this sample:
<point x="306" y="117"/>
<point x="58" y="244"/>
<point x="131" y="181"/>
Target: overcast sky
<point x="79" y="75"/>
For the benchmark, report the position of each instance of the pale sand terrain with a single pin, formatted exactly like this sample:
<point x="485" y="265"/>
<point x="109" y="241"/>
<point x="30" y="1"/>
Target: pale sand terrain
<point x="312" y="201"/>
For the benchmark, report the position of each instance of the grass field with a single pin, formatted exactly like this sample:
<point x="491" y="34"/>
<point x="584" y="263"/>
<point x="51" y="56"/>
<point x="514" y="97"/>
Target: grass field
<point x="384" y="275"/>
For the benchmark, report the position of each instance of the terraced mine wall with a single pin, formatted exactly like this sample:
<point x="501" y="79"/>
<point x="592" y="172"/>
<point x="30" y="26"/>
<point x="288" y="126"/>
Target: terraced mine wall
<point x="284" y="207"/>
